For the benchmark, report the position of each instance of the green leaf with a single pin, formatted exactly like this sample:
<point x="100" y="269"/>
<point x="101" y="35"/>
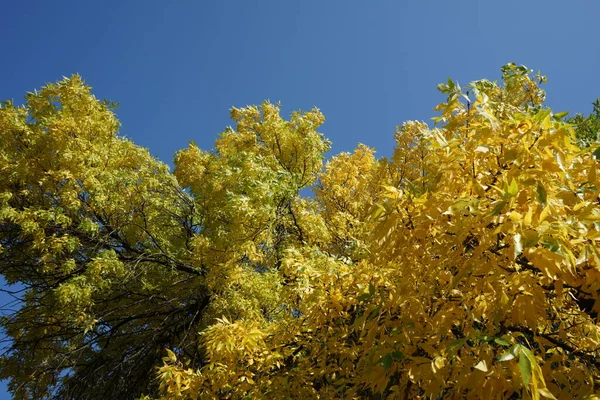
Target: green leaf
<point x="539" y="117"/>
<point x="386" y="361"/>
<point x="541" y="194"/>
<point x="378" y="211"/>
<point x="502" y="342"/>
<point x="513" y="188"/>
<point x="450" y="83"/>
<point x="442" y="87"/>
<point x="561" y="114"/>
<point x="363" y="297"/>
<point x="498" y="207"/>
<point x="371" y="289"/>
<point x="525" y="368"/>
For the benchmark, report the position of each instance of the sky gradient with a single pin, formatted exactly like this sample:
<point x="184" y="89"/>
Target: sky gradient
<point x="177" y="67"/>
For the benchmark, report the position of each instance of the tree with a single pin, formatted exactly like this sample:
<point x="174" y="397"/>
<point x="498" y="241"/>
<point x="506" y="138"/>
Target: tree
<point x="465" y="265"/>
<point x="587" y="128"/>
<point x="115" y="261"/>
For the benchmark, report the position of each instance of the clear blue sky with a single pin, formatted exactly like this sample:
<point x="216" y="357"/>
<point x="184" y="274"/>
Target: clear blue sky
<point x="177" y="67"/>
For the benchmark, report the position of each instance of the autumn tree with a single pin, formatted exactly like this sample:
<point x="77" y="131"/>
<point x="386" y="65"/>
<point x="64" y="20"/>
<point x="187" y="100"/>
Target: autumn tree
<point x="463" y="266"/>
<point x="114" y="262"/>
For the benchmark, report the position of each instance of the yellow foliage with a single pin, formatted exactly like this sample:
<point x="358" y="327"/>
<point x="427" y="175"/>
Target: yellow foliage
<point x="464" y="266"/>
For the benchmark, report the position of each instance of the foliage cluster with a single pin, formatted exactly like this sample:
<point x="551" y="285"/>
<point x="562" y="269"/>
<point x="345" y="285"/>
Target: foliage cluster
<point x="587" y="129"/>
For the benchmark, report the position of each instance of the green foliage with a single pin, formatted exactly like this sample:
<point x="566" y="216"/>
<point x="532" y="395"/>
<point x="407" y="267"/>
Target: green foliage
<point x="587" y="129"/>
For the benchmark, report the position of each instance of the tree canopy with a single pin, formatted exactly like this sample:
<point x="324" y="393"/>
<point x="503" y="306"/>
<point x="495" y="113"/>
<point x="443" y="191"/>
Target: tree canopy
<point x="587" y="129"/>
<point x="466" y="265"/>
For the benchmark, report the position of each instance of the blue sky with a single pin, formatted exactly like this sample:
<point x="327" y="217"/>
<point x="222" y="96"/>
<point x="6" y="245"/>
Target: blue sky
<point x="177" y="67"/>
